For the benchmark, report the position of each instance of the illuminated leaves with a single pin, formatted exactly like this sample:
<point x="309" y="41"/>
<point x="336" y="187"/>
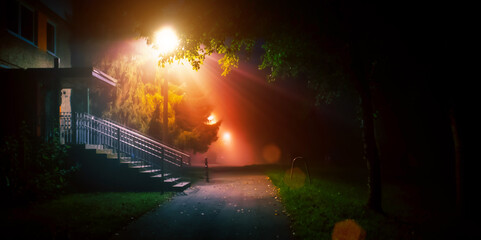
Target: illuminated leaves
<point x="138" y="103"/>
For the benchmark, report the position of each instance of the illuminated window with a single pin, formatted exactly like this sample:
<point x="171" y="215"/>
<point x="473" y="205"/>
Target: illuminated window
<point x="51" y="37"/>
<point x="21" y="20"/>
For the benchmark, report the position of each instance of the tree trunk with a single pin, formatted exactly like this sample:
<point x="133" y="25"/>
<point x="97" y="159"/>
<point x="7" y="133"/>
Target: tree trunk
<point x="371" y="152"/>
<point x="457" y="159"/>
<point x="362" y="82"/>
<point x="165" y="113"/>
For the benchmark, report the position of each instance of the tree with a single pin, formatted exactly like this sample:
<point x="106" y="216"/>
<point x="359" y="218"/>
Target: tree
<point x="326" y="45"/>
<point x="137" y="103"/>
<point x="323" y="45"/>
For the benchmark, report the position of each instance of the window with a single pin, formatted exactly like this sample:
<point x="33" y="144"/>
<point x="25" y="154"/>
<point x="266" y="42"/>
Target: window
<point x="27" y="23"/>
<point x="50" y="37"/>
<point x="21" y="20"/>
<point x="12" y="16"/>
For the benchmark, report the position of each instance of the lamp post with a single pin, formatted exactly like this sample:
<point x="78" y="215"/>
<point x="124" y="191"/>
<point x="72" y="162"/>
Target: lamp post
<point x="165" y="41"/>
<point x="165" y="119"/>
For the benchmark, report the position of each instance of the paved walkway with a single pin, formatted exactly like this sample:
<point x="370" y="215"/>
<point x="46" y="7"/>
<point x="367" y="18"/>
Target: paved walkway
<point x="233" y="205"/>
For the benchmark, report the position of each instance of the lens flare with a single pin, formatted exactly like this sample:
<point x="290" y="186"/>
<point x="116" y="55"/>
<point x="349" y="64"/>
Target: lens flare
<point x="348" y="229"/>
<point x="295" y="180"/>
<point x="271" y="153"/>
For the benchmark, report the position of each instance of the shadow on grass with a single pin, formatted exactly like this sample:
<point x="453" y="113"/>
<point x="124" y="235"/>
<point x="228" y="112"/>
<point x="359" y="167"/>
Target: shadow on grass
<point x="80" y="215"/>
<point x="337" y="194"/>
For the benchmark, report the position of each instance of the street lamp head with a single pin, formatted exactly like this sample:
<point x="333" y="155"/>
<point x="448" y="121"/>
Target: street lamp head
<point x="165" y="40"/>
<point x="211" y="120"/>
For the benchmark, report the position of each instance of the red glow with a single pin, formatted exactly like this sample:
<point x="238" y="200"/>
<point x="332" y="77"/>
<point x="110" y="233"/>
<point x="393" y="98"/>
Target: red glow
<point x="233" y="107"/>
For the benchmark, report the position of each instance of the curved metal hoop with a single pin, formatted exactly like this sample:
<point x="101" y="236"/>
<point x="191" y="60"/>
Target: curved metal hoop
<point x="305" y="164"/>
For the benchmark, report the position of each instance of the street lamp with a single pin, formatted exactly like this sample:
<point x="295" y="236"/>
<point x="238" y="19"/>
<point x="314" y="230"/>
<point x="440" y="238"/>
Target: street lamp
<point x="165" y="41"/>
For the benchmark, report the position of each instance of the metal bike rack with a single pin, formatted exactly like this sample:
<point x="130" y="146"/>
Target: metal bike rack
<point x="305" y="164"/>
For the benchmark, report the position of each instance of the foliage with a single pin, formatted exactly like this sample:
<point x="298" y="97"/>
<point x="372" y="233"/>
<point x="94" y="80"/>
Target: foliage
<point x="298" y="40"/>
<point x="190" y="115"/>
<point x="133" y="100"/>
<point x="138" y="103"/>
<point x="32" y="168"/>
<point x="84" y="215"/>
<point x="315" y="208"/>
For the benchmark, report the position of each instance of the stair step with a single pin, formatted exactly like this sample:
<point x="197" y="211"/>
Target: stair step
<point x="181" y="185"/>
<point x="160" y="175"/>
<point x="151" y="171"/>
<point x="93" y="146"/>
<point x="171" y="180"/>
<point x="140" y="166"/>
<point x="104" y="151"/>
<point x="115" y="156"/>
<point x="129" y="160"/>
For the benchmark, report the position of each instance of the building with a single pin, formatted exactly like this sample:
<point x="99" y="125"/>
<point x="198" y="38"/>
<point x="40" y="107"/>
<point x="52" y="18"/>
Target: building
<point x="37" y="77"/>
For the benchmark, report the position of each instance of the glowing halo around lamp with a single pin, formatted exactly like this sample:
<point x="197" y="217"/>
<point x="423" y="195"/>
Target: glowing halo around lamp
<point x="165" y="40"/>
<point x="211" y="120"/>
<point x="227" y="137"/>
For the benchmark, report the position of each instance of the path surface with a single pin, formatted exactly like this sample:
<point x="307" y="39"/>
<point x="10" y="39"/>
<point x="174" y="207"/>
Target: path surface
<point x="233" y="205"/>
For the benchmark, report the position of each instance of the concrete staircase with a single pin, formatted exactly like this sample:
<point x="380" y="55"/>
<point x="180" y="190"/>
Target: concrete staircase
<point x="103" y="170"/>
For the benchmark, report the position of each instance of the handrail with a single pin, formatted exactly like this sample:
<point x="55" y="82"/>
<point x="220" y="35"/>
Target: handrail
<point x="82" y="128"/>
<point x="145" y="137"/>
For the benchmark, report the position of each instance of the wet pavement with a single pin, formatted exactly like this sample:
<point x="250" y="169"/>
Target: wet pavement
<point x="233" y="205"/>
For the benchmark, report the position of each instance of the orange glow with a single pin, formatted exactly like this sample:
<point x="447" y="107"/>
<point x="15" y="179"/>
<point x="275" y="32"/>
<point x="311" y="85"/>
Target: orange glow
<point x="234" y="146"/>
<point x="166" y="40"/>
<point x="348" y="229"/>
<point x="211" y="120"/>
<point x="227" y="138"/>
<point x="271" y="153"/>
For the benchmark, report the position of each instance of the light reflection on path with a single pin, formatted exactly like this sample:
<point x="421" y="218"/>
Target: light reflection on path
<point x="231" y="206"/>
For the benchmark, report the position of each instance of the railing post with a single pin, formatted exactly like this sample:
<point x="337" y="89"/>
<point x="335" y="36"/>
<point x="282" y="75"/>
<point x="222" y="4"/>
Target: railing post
<point x="162" y="171"/>
<point x="118" y="144"/>
<point x="74" y="128"/>
<point x="206" y="170"/>
<point x="89" y="129"/>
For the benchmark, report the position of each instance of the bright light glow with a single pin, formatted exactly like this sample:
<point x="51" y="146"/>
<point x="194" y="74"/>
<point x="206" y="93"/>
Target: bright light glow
<point x="227" y="137"/>
<point x="211" y="120"/>
<point x="166" y="40"/>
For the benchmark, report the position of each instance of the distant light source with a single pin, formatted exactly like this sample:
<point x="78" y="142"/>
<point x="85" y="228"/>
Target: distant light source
<point x="227" y="137"/>
<point x="166" y="40"/>
<point x="211" y="119"/>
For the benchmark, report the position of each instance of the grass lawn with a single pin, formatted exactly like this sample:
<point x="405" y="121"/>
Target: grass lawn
<point x="81" y="215"/>
<point x="330" y="198"/>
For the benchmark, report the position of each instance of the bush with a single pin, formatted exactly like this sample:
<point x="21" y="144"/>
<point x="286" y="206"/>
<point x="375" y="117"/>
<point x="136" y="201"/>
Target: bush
<point x="32" y="168"/>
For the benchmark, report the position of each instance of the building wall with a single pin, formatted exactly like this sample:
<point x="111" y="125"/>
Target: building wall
<point x="16" y="52"/>
<point x="26" y="97"/>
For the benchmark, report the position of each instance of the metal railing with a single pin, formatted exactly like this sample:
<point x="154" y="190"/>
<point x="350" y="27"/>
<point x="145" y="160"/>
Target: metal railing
<point x="82" y="128"/>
